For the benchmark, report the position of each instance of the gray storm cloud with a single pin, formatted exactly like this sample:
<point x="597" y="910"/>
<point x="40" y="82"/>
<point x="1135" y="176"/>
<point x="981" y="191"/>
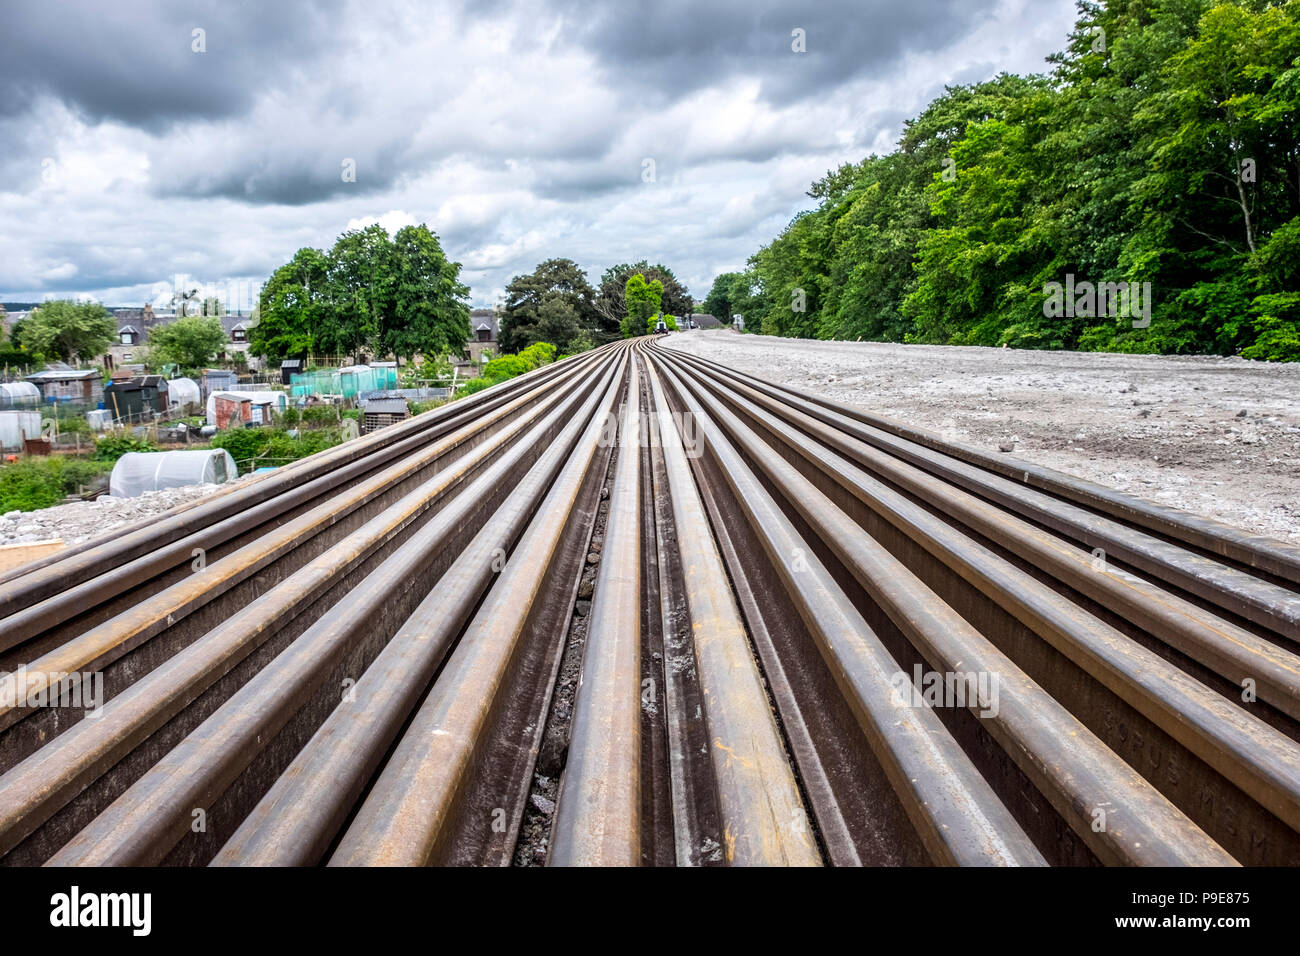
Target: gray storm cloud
<point x="517" y="130"/>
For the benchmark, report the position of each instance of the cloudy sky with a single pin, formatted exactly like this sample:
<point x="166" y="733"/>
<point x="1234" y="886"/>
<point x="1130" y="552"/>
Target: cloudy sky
<point x="145" y="139"/>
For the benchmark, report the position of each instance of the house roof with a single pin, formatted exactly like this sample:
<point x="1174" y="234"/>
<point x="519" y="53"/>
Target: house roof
<point x="64" y="374"/>
<point x="705" y="321"/>
<point x="128" y="329"/>
<point x="158" y="382"/>
<point x="479" y="318"/>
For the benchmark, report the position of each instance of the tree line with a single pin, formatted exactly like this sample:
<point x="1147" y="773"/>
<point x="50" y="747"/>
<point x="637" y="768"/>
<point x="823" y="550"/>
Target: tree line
<point x="369" y="294"/>
<point x="556" y="303"/>
<point x="1161" y="154"/>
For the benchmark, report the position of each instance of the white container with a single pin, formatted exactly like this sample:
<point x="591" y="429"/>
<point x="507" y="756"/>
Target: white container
<point x="100" y="419"/>
<point x="17" y="425"/>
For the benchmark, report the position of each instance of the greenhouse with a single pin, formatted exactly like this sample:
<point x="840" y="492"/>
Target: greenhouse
<point x="348" y="382"/>
<point x="19" y="395"/>
<point x="182" y="392"/>
<point x="138" y="472"/>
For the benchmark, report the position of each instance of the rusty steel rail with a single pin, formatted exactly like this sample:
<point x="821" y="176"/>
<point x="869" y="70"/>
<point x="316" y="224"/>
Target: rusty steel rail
<point x="747" y="626"/>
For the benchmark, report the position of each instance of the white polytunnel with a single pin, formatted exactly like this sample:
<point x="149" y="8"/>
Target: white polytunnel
<point x="138" y="472"/>
<point x="183" y="391"/>
<point x="19" y="394"/>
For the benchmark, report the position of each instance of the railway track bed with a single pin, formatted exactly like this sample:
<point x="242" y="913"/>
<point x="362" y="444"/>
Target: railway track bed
<point x="638" y="608"/>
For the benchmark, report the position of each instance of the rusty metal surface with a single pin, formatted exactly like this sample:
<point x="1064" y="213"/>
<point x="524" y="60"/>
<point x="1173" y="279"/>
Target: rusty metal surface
<point x="365" y="669"/>
<point x="598" y="810"/>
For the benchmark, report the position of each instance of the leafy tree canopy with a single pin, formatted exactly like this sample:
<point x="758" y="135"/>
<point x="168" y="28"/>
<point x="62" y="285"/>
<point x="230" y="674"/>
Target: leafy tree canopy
<point x="191" y="342"/>
<point x="369" y="294"/>
<point x="68" y="331"/>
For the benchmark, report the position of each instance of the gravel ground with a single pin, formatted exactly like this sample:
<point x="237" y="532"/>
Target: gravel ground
<point x="1219" y="437"/>
<point x="82" y="520"/>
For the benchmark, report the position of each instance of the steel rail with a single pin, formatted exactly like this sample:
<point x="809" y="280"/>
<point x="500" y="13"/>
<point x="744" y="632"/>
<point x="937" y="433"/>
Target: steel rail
<point x="23" y="586"/>
<point x="763" y="818"/>
<point x="89" y="748"/>
<point x="1258" y="552"/>
<point x="1026" y="721"/>
<point x="598" y="810"/>
<point x="411" y="808"/>
<point x="296" y="821"/>
<point x="1227" y="649"/>
<point x="955" y="811"/>
<point x="713" y="600"/>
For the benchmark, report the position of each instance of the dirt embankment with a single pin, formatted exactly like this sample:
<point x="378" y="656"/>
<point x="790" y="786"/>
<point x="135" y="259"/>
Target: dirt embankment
<point x="1219" y="437"/>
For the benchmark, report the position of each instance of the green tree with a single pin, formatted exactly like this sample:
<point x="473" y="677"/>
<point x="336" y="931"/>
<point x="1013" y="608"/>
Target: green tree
<point x="191" y="342"/>
<point x="643" y="302"/>
<point x="553" y="280"/>
<point x="66" y="330"/>
<point x="362" y="292"/>
<point x="400" y="296"/>
<point x="430" y="312"/>
<point x="558" y="324"/>
<point x="613" y="284"/>
<point x="293" y="305"/>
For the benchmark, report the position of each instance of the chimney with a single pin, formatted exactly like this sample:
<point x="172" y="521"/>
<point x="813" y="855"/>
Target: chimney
<point x="147" y="317"/>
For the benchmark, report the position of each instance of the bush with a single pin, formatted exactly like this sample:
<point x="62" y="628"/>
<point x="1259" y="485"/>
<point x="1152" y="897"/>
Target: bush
<point x="538" y="354"/>
<point x="507" y="366"/>
<point x="320" y="415"/>
<point x="255" y="447"/>
<point x="112" y="447"/>
<point x="475" y="385"/>
<point x="74" y="426"/>
<point x="33" y="483"/>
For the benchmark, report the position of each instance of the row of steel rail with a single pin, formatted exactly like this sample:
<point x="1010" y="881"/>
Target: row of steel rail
<point x="805" y="635"/>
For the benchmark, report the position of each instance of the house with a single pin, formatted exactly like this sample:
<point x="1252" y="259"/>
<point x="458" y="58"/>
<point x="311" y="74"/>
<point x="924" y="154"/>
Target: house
<point x="59" y="383"/>
<point x="136" y="325"/>
<point x="484" y="326"/>
<point x="700" y="320"/>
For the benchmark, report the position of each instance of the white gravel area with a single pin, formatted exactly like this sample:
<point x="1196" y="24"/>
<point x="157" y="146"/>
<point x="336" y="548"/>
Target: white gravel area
<point x="1219" y="437"/>
<point x="81" y="520"/>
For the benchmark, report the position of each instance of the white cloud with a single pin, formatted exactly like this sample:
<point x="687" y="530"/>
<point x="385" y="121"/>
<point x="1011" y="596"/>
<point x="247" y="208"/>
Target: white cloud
<point x="516" y="135"/>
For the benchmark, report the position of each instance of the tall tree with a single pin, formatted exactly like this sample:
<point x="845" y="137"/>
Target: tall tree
<point x="293" y="306"/>
<point x="66" y="330"/>
<point x="369" y="293"/>
<point x="644" y="300"/>
<point x="191" y="342"/>
<point x="553" y="280"/>
<point x="429" y="314"/>
<point x="613" y="283"/>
